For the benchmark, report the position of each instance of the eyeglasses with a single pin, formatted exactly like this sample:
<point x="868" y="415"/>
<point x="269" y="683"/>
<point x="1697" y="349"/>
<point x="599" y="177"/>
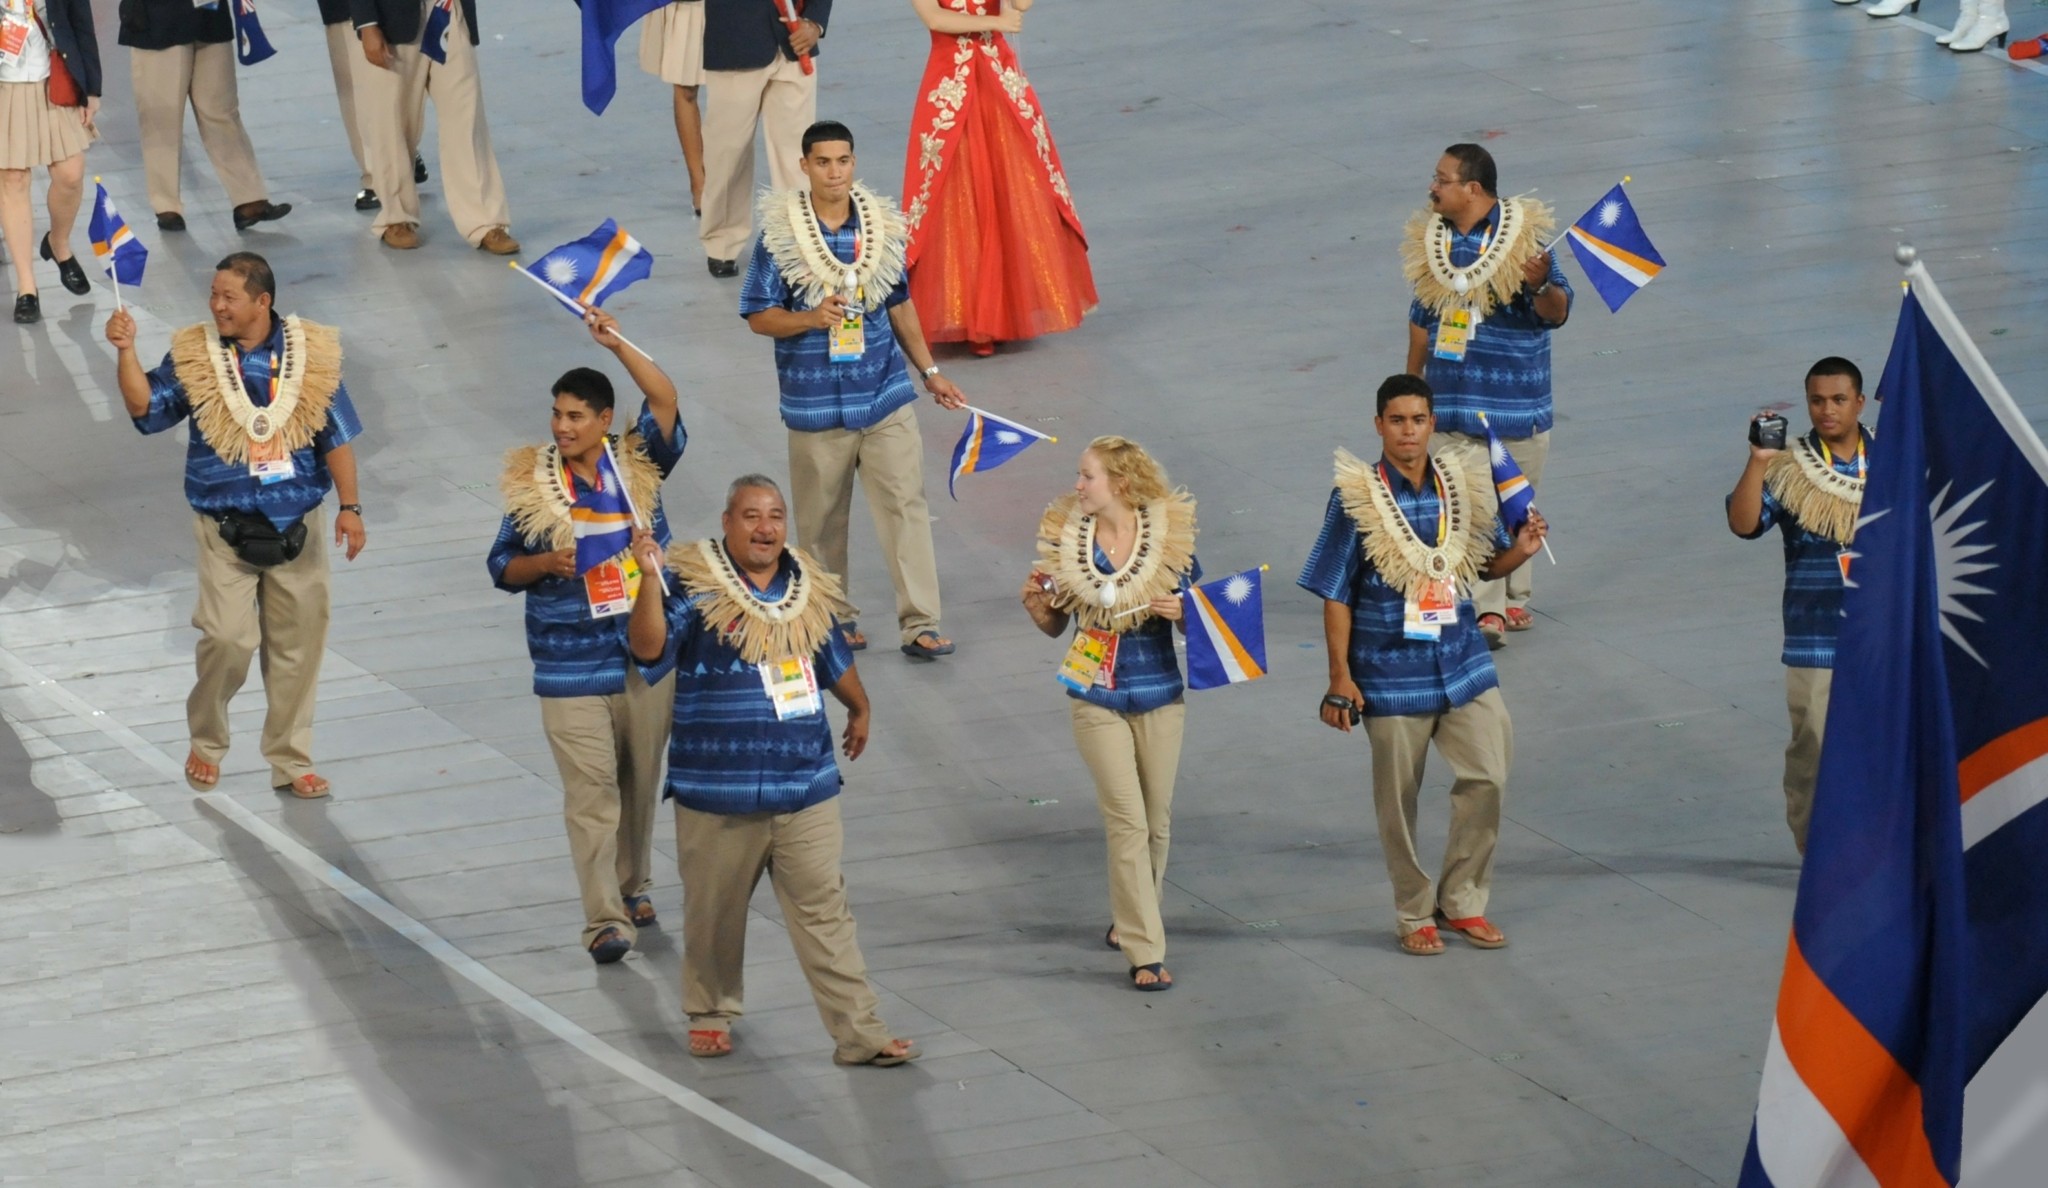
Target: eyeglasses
<point x="1438" y="179"/>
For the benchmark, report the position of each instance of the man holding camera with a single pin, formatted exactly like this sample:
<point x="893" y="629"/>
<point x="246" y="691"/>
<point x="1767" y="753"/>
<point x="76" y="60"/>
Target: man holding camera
<point x="1812" y="489"/>
<point x="1403" y="541"/>
<point x="271" y="427"/>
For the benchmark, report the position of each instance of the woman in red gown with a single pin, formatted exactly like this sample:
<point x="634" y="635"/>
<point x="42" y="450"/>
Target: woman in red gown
<point x="997" y="253"/>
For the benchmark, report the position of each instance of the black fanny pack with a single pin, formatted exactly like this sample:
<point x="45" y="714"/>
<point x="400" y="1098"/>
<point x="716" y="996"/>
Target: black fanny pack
<point x="257" y="541"/>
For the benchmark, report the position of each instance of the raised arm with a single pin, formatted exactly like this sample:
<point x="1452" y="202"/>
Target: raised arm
<point x="652" y="381"/>
<point x="1746" y="502"/>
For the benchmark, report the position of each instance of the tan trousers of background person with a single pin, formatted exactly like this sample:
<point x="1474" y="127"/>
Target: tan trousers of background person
<point x="1478" y="742"/>
<point x="343" y="51"/>
<point x="1806" y="699"/>
<point x="1529" y="453"/>
<point x="889" y="457"/>
<point x="722" y="857"/>
<point x="784" y="101"/>
<point x="609" y="750"/>
<point x="204" y="74"/>
<point x="390" y="108"/>
<point x="279" y="613"/>
<point x="1134" y="759"/>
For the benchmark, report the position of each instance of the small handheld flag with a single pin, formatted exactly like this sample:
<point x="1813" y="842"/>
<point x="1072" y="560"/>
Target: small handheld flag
<point x="115" y="246"/>
<point x="1611" y="246"/>
<point x="1226" y="630"/>
<point x="586" y="271"/>
<point x="434" y="42"/>
<point x="603" y="23"/>
<point x="251" y="46"/>
<point x="988" y="442"/>
<point x="603" y="519"/>
<point x="1517" y="497"/>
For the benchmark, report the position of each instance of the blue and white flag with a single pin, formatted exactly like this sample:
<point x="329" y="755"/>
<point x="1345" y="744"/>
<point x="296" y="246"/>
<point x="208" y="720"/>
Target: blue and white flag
<point x="251" y="46"/>
<point x="1920" y="936"/>
<point x="113" y="244"/>
<point x="1509" y="483"/>
<point x="1226" y="630"/>
<point x="988" y="442"/>
<point x="586" y="271"/>
<point x="604" y="518"/>
<point x="1611" y="246"/>
<point x="434" y="41"/>
<point x="603" y="23"/>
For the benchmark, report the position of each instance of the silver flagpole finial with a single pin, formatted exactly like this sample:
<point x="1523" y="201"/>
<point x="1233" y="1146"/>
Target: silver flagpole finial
<point x="1905" y="255"/>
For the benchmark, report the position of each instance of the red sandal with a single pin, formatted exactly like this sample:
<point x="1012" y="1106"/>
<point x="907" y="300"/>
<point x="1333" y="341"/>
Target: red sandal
<point x="1429" y="945"/>
<point x="1467" y="926"/>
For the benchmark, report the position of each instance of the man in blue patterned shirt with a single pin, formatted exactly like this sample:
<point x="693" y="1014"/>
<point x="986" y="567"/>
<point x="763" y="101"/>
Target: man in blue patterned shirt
<point x="1401" y="542"/>
<point x="1500" y="373"/>
<point x="271" y="427"/>
<point x="607" y="726"/>
<point x="1811" y="491"/>
<point x="753" y="642"/>
<point x="827" y="283"/>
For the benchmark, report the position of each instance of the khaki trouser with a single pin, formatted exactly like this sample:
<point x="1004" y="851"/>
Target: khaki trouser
<point x="344" y="58"/>
<point x="1529" y="453"/>
<point x="205" y="74"/>
<point x="783" y="100"/>
<point x="889" y="457"/>
<point x="1806" y="699"/>
<point x="279" y="613"/>
<point x="610" y="750"/>
<point x="722" y="857"/>
<point x="1478" y="741"/>
<point x="1134" y="758"/>
<point x="390" y="110"/>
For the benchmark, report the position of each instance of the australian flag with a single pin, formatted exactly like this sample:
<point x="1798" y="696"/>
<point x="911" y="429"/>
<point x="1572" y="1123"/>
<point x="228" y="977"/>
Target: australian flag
<point x="603" y="23"/>
<point x="988" y="442"/>
<point x="1611" y="246"/>
<point x="251" y="46"/>
<point x="434" y="41"/>
<point x="1920" y="936"/>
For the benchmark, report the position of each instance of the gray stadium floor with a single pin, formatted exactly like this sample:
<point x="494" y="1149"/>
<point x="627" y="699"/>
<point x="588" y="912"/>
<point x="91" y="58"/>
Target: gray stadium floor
<point x="183" y="1005"/>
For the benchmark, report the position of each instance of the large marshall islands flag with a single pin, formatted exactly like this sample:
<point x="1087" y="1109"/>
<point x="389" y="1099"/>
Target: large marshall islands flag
<point x="1920" y="938"/>
<point x="1226" y="630"/>
<point x="1611" y="246"/>
<point x="587" y="271"/>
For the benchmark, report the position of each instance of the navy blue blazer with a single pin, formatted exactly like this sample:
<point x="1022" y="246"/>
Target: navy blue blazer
<point x="747" y="34"/>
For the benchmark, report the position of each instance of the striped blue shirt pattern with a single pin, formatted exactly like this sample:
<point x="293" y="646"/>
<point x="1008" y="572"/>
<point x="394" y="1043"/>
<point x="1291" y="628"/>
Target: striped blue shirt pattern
<point x="1396" y="674"/>
<point x="1813" y="581"/>
<point x="1506" y="369"/>
<point x="727" y="752"/>
<point x="214" y="487"/>
<point x="1147" y="672"/>
<point x="575" y="655"/>
<point x="817" y="393"/>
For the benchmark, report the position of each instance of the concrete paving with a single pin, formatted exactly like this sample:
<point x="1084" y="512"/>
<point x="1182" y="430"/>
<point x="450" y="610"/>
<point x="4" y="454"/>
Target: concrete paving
<point x="182" y="1004"/>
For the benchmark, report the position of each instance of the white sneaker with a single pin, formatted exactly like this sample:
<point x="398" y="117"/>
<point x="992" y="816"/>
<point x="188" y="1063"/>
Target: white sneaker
<point x="1964" y="19"/>
<point x="1892" y="8"/>
<point x="1991" y="26"/>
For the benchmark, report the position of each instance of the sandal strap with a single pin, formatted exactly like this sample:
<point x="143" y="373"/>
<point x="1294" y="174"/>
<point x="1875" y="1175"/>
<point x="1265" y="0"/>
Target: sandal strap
<point x="1468" y="923"/>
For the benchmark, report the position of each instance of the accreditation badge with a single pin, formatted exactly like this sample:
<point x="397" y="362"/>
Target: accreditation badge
<point x="792" y="687"/>
<point x="850" y="337"/>
<point x="13" y="35"/>
<point x="611" y="587"/>
<point x="1090" y="662"/>
<point x="1454" y="334"/>
<point x="269" y="461"/>
<point x="1425" y="616"/>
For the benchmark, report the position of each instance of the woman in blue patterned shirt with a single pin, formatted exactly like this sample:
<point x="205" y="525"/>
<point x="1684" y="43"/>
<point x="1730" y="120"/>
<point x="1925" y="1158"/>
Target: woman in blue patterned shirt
<point x="1113" y="557"/>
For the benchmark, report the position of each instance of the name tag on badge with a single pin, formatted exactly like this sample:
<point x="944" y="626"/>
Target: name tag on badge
<point x="269" y="461"/>
<point x="1090" y="662"/>
<point x="1425" y="616"/>
<point x="850" y="337"/>
<point x="792" y="687"/>
<point x="611" y="587"/>
<point x="1453" y="335"/>
<point x="13" y="37"/>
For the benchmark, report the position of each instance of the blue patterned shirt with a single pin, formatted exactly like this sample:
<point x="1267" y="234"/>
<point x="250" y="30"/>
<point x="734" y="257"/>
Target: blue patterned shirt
<point x="1396" y="674"/>
<point x="1506" y="369"/>
<point x="213" y="486"/>
<point x="1813" y="580"/>
<point x="727" y="752"/>
<point x="574" y="654"/>
<point x="1147" y="673"/>
<point x="816" y="392"/>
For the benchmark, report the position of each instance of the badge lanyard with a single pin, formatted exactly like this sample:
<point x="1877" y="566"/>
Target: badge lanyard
<point x="1861" y="466"/>
<point x="1443" y="499"/>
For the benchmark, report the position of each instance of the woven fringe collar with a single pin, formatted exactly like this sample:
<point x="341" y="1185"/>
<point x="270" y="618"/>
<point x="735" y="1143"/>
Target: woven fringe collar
<point x="539" y="504"/>
<point x="1162" y="553"/>
<point x="1494" y="278"/>
<point x="1823" y="500"/>
<point x="797" y="625"/>
<point x="789" y="230"/>
<point x="308" y="372"/>
<point x="1403" y="559"/>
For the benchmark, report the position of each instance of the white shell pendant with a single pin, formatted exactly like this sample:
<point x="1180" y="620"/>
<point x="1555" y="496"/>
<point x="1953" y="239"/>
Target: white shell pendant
<point x="1108" y="597"/>
<point x="1460" y="285"/>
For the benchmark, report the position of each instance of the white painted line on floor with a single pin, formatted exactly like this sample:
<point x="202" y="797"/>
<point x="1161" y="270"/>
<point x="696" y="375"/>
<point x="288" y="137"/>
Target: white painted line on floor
<point x="458" y="962"/>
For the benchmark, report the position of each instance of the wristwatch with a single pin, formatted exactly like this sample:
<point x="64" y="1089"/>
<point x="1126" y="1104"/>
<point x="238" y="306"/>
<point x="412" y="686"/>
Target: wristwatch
<point x="931" y="371"/>
<point x="351" y="507"/>
<point x="1541" y="289"/>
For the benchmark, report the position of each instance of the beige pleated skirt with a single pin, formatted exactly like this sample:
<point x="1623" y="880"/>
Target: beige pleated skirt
<point x="32" y="132"/>
<point x="672" y="43"/>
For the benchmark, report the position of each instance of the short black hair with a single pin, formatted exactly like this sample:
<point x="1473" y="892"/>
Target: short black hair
<point x="587" y="384"/>
<point x="1836" y="365"/>
<point x="825" y="131"/>
<point x="1475" y="164"/>
<point x="1396" y="386"/>
<point x="257" y="278"/>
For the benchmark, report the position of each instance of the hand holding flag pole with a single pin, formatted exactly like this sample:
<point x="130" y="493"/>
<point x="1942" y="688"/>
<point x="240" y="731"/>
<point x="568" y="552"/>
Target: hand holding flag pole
<point x="639" y="521"/>
<point x="581" y="310"/>
<point x="1511" y="486"/>
<point x="1183" y="586"/>
<point x="790" y="20"/>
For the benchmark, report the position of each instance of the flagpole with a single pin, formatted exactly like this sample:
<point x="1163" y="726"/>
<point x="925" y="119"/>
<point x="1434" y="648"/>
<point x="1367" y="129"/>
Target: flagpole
<point x="626" y="490"/>
<point x="581" y="309"/>
<point x="1147" y="606"/>
<point x="987" y="415"/>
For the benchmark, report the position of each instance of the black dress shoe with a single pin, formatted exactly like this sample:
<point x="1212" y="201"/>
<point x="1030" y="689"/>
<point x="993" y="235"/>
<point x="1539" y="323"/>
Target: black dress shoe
<point x="260" y="212"/>
<point x="419" y="170"/>
<point x="170" y="220"/>
<point x="366" y="199"/>
<point x="67" y="270"/>
<point x="27" y="309"/>
<point x="723" y="269"/>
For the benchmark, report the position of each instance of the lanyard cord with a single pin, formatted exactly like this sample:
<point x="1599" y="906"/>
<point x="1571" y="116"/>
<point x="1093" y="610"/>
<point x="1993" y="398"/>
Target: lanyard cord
<point x="1443" y="501"/>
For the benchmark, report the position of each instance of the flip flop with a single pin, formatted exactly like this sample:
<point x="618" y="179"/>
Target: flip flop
<point x="924" y="651"/>
<point x="306" y="787"/>
<point x="711" y="1037"/>
<point x="1423" y="942"/>
<point x="1109" y="938"/>
<point x="1470" y="924"/>
<point x="1494" y="632"/>
<point x="194" y="782"/>
<point x="881" y="1059"/>
<point x="608" y="946"/>
<point x="855" y="641"/>
<point x="1159" y="977"/>
<point x="641" y="909"/>
<point x="1519" y="619"/>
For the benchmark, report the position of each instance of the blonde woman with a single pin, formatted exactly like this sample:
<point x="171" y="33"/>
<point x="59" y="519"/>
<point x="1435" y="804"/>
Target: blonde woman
<point x="1113" y="557"/>
<point x="49" y="97"/>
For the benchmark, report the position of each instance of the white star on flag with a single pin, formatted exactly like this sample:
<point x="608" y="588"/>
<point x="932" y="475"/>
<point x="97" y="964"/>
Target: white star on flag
<point x="1610" y="213"/>
<point x="561" y="272"/>
<point x="1237" y="589"/>
<point x="1952" y="563"/>
<point x="1009" y="436"/>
